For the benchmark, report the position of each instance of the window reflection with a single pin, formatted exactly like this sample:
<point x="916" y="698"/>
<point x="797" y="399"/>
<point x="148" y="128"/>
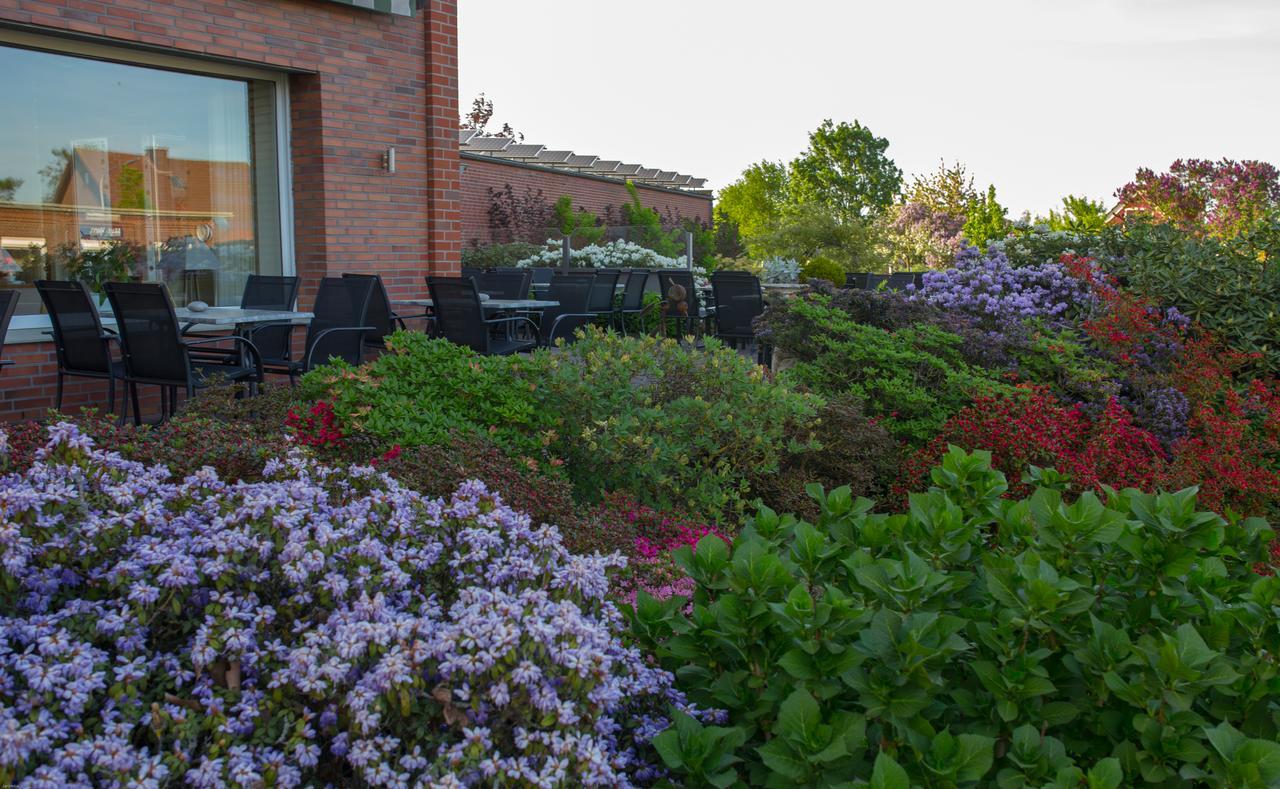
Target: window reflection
<point x="113" y="172"/>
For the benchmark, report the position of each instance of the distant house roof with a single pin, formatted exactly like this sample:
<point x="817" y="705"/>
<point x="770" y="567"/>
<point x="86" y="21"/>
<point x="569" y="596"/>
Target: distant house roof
<point x="499" y="147"/>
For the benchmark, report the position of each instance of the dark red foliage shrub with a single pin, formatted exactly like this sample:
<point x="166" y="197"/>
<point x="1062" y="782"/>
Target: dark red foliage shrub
<point x="316" y="426"/>
<point x="1032" y="427"/>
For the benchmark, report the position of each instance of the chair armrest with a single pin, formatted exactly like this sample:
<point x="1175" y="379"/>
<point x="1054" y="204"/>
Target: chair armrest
<point x="306" y="363"/>
<point x="513" y="319"/>
<point x="235" y="338"/>
<point x="563" y="315"/>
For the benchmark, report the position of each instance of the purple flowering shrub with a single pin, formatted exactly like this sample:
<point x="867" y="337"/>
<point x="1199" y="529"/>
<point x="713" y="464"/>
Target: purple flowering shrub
<point x="319" y="625"/>
<point x="989" y="288"/>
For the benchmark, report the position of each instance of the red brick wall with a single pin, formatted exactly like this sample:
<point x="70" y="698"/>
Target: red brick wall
<point x="374" y="81"/>
<point x="593" y="194"/>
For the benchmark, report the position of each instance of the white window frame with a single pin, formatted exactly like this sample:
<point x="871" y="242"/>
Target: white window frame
<point x="147" y="58"/>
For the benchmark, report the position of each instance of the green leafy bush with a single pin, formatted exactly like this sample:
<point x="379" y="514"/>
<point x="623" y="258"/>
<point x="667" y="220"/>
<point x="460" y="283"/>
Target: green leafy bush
<point x="823" y="268"/>
<point x="912" y="378"/>
<point x="977" y="639"/>
<point x="1229" y="287"/>
<point x="678" y="426"/>
<point x="426" y="391"/>
<point x="498" y="255"/>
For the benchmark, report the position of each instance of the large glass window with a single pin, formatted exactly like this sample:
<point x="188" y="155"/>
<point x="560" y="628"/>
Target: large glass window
<point x="112" y="171"/>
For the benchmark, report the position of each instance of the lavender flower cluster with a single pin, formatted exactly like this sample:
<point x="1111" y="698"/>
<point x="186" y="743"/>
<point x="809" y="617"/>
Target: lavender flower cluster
<point x="322" y="626"/>
<point x="988" y="288"/>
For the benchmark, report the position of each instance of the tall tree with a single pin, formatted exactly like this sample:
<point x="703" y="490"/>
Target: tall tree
<point x="846" y="170"/>
<point x="987" y="220"/>
<point x="480" y="115"/>
<point x="1079" y="215"/>
<point x="1219" y="198"/>
<point x="756" y="201"/>
<point x="9" y="188"/>
<point x="949" y="190"/>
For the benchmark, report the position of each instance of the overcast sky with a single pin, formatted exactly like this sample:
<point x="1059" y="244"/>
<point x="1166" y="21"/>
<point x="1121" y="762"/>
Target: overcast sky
<point x="1040" y="97"/>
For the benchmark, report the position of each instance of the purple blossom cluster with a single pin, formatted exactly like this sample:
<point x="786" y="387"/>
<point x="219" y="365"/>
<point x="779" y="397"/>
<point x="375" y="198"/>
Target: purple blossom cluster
<point x="988" y="288"/>
<point x="322" y="626"/>
<point x="1164" y="411"/>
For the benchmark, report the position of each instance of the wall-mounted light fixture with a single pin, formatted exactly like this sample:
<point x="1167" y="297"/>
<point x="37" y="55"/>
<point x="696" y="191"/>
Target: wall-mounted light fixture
<point x="389" y="160"/>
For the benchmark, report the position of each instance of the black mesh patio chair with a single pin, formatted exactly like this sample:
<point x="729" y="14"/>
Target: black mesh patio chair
<point x="274" y="340"/>
<point x="874" y="281"/>
<point x="338" y="326"/>
<point x="506" y="284"/>
<point x="154" y="351"/>
<point x="573" y="292"/>
<point x="688" y="309"/>
<point x="8" y="306"/>
<point x="739" y="301"/>
<point x="633" y="296"/>
<point x="542" y="275"/>
<point x="472" y="272"/>
<point x="459" y="317"/>
<point x="603" y="290"/>
<point x="381" y="316"/>
<point x="856" y="281"/>
<point x="82" y="345"/>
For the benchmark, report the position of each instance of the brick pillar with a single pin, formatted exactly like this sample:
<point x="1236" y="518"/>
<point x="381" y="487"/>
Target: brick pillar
<point x="444" y="188"/>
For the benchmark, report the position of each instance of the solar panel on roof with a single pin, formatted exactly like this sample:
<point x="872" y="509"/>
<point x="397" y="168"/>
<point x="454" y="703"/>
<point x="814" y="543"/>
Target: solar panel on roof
<point x="646" y="174"/>
<point x="524" y="151"/>
<point x="681" y="180"/>
<point x="582" y="160"/>
<point x="628" y="169"/>
<point x="464" y="135"/>
<point x="490" y="143"/>
<point x="697" y="183"/>
<point x="553" y="157"/>
<point x="606" y="166"/>
<point x="666" y="175"/>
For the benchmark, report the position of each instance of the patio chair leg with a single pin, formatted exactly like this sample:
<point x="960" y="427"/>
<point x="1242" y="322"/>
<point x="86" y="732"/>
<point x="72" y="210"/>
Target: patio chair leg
<point x="137" y="410"/>
<point x="57" y="399"/>
<point x="111" y="395"/>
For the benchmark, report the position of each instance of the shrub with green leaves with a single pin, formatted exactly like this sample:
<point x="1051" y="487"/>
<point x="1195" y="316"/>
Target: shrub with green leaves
<point x="680" y="427"/>
<point x="424" y="391"/>
<point x="912" y="378"/>
<point x="823" y="268"/>
<point x="978" y="640"/>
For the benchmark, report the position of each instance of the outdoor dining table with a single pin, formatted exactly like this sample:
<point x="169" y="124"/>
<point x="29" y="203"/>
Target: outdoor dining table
<point x="490" y="304"/>
<point x="235" y="316"/>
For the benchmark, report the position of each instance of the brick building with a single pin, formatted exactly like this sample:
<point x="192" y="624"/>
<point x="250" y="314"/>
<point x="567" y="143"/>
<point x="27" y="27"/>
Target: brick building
<point x="261" y="129"/>
<point x="492" y="164"/>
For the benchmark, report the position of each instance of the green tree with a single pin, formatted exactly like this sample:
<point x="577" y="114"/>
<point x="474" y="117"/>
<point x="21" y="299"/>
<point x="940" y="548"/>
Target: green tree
<point x="846" y="170"/>
<point x="580" y="224"/>
<point x="1079" y="215"/>
<point x="949" y="190"/>
<point x="8" y="188"/>
<point x="755" y="201"/>
<point x="813" y="230"/>
<point x="987" y="220"/>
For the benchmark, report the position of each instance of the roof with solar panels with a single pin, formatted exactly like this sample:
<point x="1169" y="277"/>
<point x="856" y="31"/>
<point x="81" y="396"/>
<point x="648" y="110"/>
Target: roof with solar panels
<point x="512" y="150"/>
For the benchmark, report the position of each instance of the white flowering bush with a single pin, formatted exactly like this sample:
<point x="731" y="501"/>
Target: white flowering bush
<point x="614" y="254"/>
<point x="321" y="626"/>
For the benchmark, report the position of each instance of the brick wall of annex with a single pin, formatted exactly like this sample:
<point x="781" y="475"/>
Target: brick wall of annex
<point x="592" y="194"/>
<point x="370" y="81"/>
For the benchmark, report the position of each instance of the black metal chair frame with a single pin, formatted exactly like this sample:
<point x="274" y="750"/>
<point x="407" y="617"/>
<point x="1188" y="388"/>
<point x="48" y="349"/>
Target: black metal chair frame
<point x="166" y="321"/>
<point x="113" y="368"/>
<point x="549" y="334"/>
<point x="379" y="301"/>
<point x="436" y="286"/>
<point x="633" y="296"/>
<point x="315" y="338"/>
<point x="8" y="306"/>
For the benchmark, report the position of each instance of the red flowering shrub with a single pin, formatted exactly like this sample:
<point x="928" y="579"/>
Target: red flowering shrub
<point x="317" y="426"/>
<point x="1032" y="427"/>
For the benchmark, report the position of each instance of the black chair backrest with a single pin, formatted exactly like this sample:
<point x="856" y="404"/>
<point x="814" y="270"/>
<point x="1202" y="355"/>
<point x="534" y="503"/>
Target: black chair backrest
<point x="685" y="280"/>
<point x="269" y="292"/>
<point x="874" y="280"/>
<point x="77" y="328"/>
<point x="380" y="311"/>
<point x="542" y="275"/>
<point x="856" y="280"/>
<point x="472" y="272"/>
<point x="738" y="302"/>
<point x="150" y="340"/>
<point x="455" y="302"/>
<point x="341" y="303"/>
<point x="573" y="292"/>
<point x="633" y="294"/>
<point x="8" y="306"/>
<point x="506" y="284"/>
<point x="603" y="289"/>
